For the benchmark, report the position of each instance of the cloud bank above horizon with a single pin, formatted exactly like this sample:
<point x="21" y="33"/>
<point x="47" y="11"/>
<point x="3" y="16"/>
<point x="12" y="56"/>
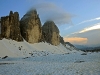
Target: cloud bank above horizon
<point x="91" y="37"/>
<point x="76" y="40"/>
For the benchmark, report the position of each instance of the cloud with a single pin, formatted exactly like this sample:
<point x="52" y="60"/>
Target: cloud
<point x="96" y="26"/>
<point x="87" y="29"/>
<point x="71" y="26"/>
<point x="86" y="21"/>
<point x="98" y="18"/>
<point x="49" y="11"/>
<point x="93" y="37"/>
<point x="76" y="40"/>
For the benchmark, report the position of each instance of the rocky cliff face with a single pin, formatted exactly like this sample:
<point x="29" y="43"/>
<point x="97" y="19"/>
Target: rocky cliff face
<point x="10" y="27"/>
<point x="51" y="33"/>
<point x="69" y="45"/>
<point x="0" y="26"/>
<point x="0" y="29"/>
<point x="31" y="27"/>
<point x="62" y="41"/>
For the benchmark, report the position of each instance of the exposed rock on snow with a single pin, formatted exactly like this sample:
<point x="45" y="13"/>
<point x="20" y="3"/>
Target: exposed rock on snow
<point x="10" y="27"/>
<point x="31" y="27"/>
<point x="51" y="33"/>
<point x="0" y="29"/>
<point x="69" y="45"/>
<point x="62" y="41"/>
<point x="0" y="26"/>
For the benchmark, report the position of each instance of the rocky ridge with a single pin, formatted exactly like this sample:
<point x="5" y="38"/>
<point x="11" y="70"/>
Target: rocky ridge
<point x="29" y="28"/>
<point x="10" y="27"/>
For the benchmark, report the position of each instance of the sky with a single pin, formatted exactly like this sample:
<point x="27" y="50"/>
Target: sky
<point x="77" y="20"/>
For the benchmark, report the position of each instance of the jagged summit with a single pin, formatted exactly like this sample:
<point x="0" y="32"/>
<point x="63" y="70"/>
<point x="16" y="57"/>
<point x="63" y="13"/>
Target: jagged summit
<point x="30" y="13"/>
<point x="29" y="28"/>
<point x="51" y="33"/>
<point x="10" y="27"/>
<point x="51" y="25"/>
<point x="30" y="25"/>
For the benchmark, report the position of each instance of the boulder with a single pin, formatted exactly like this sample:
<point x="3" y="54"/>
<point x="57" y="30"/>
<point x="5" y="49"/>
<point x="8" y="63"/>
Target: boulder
<point x="30" y="25"/>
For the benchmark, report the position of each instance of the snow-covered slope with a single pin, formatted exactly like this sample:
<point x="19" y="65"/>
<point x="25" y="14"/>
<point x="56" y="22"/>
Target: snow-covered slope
<point x="13" y="48"/>
<point x="45" y="59"/>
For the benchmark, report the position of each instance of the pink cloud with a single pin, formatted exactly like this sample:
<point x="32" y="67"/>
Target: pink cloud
<point x="76" y="40"/>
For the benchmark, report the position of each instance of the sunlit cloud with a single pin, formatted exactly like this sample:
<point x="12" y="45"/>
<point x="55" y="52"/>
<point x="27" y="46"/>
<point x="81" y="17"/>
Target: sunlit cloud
<point x="76" y="40"/>
<point x="94" y="27"/>
<point x="97" y="26"/>
<point x="86" y="21"/>
<point x="98" y="18"/>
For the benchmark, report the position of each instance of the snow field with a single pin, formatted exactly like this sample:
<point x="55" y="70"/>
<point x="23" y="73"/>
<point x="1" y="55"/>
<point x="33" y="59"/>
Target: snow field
<point x="58" y="64"/>
<point x="45" y="59"/>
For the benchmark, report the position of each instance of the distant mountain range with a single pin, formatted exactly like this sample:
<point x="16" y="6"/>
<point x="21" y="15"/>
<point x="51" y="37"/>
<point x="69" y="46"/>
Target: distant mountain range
<point x="88" y="48"/>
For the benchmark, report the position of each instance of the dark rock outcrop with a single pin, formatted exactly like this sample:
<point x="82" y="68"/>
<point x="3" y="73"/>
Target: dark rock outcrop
<point x="62" y="41"/>
<point x="0" y="29"/>
<point x="51" y="33"/>
<point x="71" y="46"/>
<point x="0" y="26"/>
<point x="68" y="43"/>
<point x="10" y="27"/>
<point x="31" y="27"/>
<point x="0" y="37"/>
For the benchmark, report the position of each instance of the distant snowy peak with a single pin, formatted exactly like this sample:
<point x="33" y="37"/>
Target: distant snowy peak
<point x="88" y="48"/>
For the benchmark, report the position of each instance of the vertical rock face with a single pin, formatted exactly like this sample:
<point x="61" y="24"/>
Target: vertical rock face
<point x="0" y="26"/>
<point x="10" y="27"/>
<point x="51" y="33"/>
<point x="62" y="41"/>
<point x="31" y="27"/>
<point x="0" y="29"/>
